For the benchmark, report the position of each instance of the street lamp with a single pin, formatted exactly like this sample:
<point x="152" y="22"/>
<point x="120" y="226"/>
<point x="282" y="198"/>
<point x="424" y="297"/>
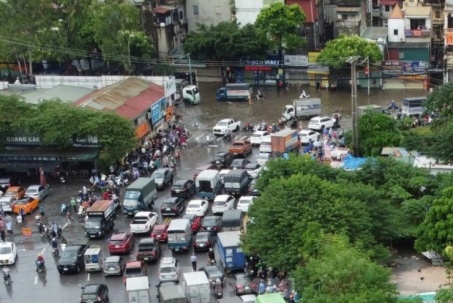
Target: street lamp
<point x="355" y="132"/>
<point x="190" y="65"/>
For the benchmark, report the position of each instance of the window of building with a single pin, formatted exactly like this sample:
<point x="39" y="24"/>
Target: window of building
<point x="418" y="24"/>
<point x="344" y="17"/>
<point x="218" y="10"/>
<point x="181" y="15"/>
<point x="401" y="55"/>
<point x="196" y="10"/>
<point x="437" y="14"/>
<point x="395" y="32"/>
<point x="387" y="8"/>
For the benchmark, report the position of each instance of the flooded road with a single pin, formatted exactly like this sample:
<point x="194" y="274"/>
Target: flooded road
<point x="270" y="108"/>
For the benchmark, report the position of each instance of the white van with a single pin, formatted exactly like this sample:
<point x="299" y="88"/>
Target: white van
<point x="169" y="270"/>
<point x="265" y="146"/>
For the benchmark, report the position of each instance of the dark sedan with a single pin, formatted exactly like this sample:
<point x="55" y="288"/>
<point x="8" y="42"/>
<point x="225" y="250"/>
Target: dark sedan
<point x="213" y="273"/>
<point x="222" y="159"/>
<point x="183" y="189"/>
<point x="172" y="206"/>
<point x="239" y="163"/>
<point x="211" y="223"/>
<point x="243" y="284"/>
<point x="204" y="240"/>
<point x="253" y="191"/>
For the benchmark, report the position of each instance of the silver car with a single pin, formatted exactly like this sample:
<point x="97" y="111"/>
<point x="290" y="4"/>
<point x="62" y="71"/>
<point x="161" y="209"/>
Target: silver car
<point x="163" y="177"/>
<point x="114" y="266"/>
<point x="37" y="191"/>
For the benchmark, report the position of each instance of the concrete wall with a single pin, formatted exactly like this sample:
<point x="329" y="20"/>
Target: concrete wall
<point x="247" y="11"/>
<point x="209" y="12"/>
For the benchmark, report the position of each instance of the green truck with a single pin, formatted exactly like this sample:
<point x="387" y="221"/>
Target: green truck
<point x="139" y="196"/>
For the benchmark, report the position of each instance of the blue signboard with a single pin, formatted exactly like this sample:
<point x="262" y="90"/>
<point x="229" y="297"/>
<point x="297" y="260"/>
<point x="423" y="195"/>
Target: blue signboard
<point x="157" y="111"/>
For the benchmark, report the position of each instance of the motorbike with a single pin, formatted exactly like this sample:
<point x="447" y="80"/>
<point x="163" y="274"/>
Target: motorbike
<point x="39" y="224"/>
<point x="40" y="266"/>
<point x="228" y="136"/>
<point x="48" y="231"/>
<point x="211" y="262"/>
<point x="55" y="251"/>
<point x="7" y="278"/>
<point x="218" y="289"/>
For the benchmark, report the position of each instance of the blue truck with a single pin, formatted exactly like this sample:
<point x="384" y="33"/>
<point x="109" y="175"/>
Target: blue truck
<point x="234" y="92"/>
<point x="231" y="256"/>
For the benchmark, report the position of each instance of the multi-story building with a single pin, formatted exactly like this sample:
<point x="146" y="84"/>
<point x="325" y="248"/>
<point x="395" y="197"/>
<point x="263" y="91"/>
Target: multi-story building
<point x="380" y="11"/>
<point x="208" y="12"/>
<point x="350" y="17"/>
<point x="448" y="40"/>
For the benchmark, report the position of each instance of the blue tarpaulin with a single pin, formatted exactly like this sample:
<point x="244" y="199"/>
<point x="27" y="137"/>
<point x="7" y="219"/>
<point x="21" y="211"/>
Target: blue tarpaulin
<point x="352" y="163"/>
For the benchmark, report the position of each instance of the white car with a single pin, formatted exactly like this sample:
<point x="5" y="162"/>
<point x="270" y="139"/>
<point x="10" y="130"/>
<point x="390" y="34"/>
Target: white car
<point x="37" y="191"/>
<point x="254" y="170"/>
<point x="8" y="253"/>
<point x="198" y="208"/>
<point x="263" y="158"/>
<point x="6" y="204"/>
<point x="248" y="298"/>
<point x="258" y="136"/>
<point x="320" y="123"/>
<point x="143" y="222"/>
<point x="306" y="135"/>
<point x="222" y="203"/>
<point x="245" y="202"/>
<point x="226" y="125"/>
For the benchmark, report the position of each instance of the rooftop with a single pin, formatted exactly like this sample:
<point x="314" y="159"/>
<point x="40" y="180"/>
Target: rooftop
<point x="62" y="92"/>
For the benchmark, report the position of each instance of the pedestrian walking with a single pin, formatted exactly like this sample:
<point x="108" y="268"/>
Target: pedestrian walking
<point x="9" y="224"/>
<point x="68" y="217"/>
<point x="2" y="211"/>
<point x="73" y="204"/>
<point x="2" y="234"/>
<point x="193" y="259"/>
<point x="318" y="85"/>
<point x="42" y="210"/>
<point x="22" y="215"/>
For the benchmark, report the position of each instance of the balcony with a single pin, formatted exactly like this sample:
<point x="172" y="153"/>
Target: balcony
<point x="417" y="33"/>
<point x="375" y="11"/>
<point x="348" y="24"/>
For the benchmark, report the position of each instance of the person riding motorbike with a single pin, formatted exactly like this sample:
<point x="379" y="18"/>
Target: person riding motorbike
<point x="54" y="228"/>
<point x="40" y="262"/>
<point x="6" y="275"/>
<point x="211" y="256"/>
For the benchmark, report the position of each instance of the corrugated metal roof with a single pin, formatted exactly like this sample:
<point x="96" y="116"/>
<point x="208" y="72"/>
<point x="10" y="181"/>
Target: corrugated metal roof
<point x="374" y="33"/>
<point x="162" y="9"/>
<point x="129" y="98"/>
<point x="422" y="11"/>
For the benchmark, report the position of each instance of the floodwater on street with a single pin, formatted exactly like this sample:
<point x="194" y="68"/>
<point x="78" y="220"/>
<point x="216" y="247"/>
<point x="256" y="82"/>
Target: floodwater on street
<point x="269" y="109"/>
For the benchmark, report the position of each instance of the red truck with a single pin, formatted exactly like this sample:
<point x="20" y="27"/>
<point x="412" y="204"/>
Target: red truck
<point x="240" y="147"/>
<point x="284" y="141"/>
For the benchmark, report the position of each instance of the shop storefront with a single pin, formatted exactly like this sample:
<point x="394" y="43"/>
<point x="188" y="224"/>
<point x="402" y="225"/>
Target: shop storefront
<point x="296" y="69"/>
<point x="158" y="114"/>
<point x="257" y="72"/>
<point x="404" y="74"/>
<point x="169" y="95"/>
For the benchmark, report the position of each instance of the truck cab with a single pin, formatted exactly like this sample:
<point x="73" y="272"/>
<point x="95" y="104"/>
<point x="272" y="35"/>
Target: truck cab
<point x="208" y="184"/>
<point x="191" y="95"/>
<point x="139" y="196"/>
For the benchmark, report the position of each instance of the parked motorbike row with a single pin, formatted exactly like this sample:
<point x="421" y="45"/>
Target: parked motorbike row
<point x="260" y="127"/>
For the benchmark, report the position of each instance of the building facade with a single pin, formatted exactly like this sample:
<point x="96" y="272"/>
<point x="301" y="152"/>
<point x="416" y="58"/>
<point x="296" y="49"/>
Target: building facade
<point x="208" y="12"/>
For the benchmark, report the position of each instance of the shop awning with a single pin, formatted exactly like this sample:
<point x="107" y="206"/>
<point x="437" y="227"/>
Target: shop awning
<point x="389" y="2"/>
<point x="45" y="156"/>
<point x="318" y="70"/>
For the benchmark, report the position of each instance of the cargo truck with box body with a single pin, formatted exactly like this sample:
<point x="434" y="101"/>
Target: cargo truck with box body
<point x="196" y="286"/>
<point x="231" y="256"/>
<point x="139" y="196"/>
<point x="413" y="106"/>
<point x="100" y="218"/>
<point x="284" y="141"/>
<point x="137" y="289"/>
<point x="234" y="92"/>
<point x="168" y="293"/>
<point x="208" y="184"/>
<point x="302" y="109"/>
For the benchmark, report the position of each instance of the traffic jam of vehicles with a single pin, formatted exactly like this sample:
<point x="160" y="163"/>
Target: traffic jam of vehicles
<point x="202" y="215"/>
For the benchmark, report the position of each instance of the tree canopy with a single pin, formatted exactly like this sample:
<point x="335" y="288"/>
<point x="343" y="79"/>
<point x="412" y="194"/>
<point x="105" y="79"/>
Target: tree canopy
<point x="59" y="123"/>
<point x="343" y="274"/>
<point x="225" y="41"/>
<point x="337" y="52"/>
<point x="281" y="24"/>
<point x="66" y="30"/>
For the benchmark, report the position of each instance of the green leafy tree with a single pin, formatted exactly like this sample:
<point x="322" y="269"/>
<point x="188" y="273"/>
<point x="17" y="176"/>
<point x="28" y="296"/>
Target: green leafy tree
<point x="59" y="122"/>
<point x="343" y="274"/>
<point x="435" y="231"/>
<point x="377" y="131"/>
<point x="336" y="52"/>
<point x="289" y="206"/>
<point x="441" y="102"/>
<point x="225" y="41"/>
<point x="281" y="24"/>
<point x="117" y="31"/>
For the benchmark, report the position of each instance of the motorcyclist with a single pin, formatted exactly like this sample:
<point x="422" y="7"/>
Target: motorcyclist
<point x="54" y="228"/>
<point x="6" y="275"/>
<point x="211" y="256"/>
<point x="40" y="262"/>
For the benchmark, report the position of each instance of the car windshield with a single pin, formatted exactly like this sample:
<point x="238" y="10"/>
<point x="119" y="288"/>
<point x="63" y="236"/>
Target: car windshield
<point x="133" y="271"/>
<point x="111" y="264"/>
<point x="222" y="124"/>
<point x="69" y="254"/>
<point x="219" y="203"/>
<point x="194" y="206"/>
<point x="146" y="246"/>
<point x="22" y="201"/>
<point x="89" y="297"/>
<point x="92" y="225"/>
<point x="202" y="237"/>
<point x="116" y="242"/>
<point x="32" y="190"/>
<point x="209" y="221"/>
<point x="244" y="202"/>
<point x="256" y="135"/>
<point x="178" y="185"/>
<point x="129" y="203"/>
<point x="213" y="271"/>
<point x="10" y="193"/>
<point x="5" y="250"/>
<point x="166" y="270"/>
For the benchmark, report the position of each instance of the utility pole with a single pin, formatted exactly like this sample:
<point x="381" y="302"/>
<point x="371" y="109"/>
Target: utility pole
<point x="355" y="129"/>
<point x="369" y="73"/>
<point x="190" y="65"/>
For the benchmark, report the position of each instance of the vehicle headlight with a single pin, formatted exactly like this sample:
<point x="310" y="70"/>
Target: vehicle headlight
<point x="99" y="232"/>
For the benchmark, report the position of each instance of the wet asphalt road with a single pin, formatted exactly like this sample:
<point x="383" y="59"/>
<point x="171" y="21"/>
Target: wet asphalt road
<point x="29" y="287"/>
